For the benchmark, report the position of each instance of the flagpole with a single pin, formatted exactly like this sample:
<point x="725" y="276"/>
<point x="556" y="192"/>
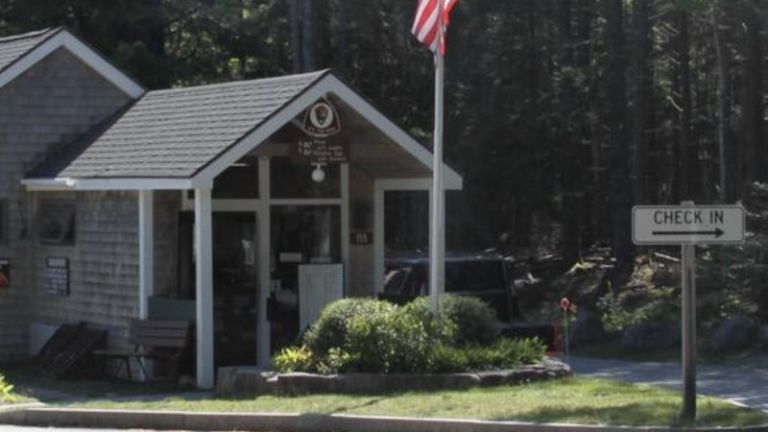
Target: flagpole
<point x="437" y="237"/>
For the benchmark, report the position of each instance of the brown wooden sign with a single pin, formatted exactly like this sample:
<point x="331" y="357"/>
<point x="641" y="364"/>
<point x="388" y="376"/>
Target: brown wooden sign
<point x="321" y="144"/>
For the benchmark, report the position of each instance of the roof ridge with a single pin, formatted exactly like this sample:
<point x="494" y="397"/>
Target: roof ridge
<point x="315" y="74"/>
<point x="28" y="35"/>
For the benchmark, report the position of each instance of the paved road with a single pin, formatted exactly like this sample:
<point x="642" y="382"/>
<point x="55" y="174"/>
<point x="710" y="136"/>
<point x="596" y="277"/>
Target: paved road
<point x="744" y="382"/>
<point x="4" y="428"/>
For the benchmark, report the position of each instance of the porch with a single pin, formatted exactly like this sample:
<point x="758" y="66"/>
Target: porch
<point x="235" y="223"/>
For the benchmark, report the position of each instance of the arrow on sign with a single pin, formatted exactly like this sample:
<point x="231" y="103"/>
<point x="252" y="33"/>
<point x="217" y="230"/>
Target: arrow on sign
<point x="717" y="232"/>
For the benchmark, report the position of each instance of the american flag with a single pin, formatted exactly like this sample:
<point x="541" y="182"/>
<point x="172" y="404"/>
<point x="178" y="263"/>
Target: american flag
<point x="425" y="24"/>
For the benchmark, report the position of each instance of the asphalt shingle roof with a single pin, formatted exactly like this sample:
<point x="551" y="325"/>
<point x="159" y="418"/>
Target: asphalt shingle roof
<point x="175" y="133"/>
<point x="14" y="47"/>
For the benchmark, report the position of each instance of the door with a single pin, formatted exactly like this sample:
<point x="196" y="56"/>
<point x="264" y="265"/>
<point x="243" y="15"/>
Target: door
<point x="235" y="288"/>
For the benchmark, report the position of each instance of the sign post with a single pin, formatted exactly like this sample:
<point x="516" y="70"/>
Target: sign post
<point x="688" y="225"/>
<point x="688" y="330"/>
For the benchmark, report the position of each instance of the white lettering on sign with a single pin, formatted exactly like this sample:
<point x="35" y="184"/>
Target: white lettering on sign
<point x="668" y="225"/>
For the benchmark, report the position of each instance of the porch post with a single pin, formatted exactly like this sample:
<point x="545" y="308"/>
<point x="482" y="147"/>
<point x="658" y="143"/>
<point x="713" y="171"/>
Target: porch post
<point x="344" y="171"/>
<point x="378" y="237"/>
<point x="264" y="215"/>
<point x="146" y="251"/>
<point x="204" y="287"/>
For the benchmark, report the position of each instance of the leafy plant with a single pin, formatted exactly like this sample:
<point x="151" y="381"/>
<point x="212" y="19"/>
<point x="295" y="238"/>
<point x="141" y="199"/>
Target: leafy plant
<point x="331" y="328"/>
<point x="293" y="359"/>
<point x="6" y="390"/>
<point x="475" y="322"/>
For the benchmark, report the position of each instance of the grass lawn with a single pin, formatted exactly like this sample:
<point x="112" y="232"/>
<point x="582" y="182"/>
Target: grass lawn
<point x="578" y="400"/>
<point x="32" y="387"/>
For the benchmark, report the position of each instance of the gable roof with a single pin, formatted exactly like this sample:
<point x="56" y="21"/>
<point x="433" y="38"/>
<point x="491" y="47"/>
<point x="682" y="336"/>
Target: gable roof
<point x="21" y="52"/>
<point x="175" y="133"/>
<point x="183" y="138"/>
<point x="14" y="47"/>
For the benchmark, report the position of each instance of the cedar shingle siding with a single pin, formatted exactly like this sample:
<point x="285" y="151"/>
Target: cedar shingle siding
<point x="53" y="102"/>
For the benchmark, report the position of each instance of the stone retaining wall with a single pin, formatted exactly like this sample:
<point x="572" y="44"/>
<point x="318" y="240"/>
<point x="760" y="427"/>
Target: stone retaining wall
<point x="253" y="381"/>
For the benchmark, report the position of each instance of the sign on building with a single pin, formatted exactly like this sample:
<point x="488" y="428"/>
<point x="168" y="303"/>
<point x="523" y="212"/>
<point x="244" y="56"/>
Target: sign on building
<point x="675" y="225"/>
<point x="321" y="125"/>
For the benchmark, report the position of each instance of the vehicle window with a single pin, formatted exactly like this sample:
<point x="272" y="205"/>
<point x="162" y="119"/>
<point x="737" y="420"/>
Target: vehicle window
<point x="474" y="276"/>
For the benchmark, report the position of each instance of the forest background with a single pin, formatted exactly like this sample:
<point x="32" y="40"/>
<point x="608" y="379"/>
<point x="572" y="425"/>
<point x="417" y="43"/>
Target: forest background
<point x="560" y="114"/>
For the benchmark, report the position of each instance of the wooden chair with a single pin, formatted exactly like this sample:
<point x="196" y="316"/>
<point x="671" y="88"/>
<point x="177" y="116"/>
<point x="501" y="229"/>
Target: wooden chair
<point x="152" y="339"/>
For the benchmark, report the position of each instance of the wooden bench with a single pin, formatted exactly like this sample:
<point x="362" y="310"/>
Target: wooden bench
<point x="152" y="339"/>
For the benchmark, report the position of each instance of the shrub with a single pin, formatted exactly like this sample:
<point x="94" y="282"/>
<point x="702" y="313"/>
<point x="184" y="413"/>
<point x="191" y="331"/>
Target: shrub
<point x="330" y="329"/>
<point x="504" y="354"/>
<point x="475" y="322"/>
<point x="293" y="359"/>
<point x="5" y="390"/>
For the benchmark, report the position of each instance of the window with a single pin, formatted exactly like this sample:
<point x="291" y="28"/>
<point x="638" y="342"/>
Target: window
<point x="56" y="222"/>
<point x="239" y="181"/>
<point x="3" y="221"/>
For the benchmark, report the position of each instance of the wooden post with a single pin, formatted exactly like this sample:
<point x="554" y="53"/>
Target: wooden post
<point x="204" y="287"/>
<point x="146" y="251"/>
<point x="263" y="339"/>
<point x="688" y="282"/>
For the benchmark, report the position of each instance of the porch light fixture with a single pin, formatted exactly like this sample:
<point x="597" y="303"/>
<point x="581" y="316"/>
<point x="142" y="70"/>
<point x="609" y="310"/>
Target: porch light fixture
<point x="318" y="175"/>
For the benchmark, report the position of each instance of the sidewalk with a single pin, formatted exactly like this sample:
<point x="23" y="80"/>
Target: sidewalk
<point x="744" y="382"/>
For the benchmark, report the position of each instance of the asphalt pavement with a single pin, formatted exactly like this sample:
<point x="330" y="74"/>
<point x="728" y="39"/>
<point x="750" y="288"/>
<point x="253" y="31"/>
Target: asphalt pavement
<point x="744" y="382"/>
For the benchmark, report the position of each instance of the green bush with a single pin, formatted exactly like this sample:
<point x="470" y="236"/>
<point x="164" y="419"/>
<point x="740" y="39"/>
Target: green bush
<point x="504" y="354"/>
<point x="293" y="359"/>
<point x="366" y="335"/>
<point x="330" y="329"/>
<point x="475" y="322"/>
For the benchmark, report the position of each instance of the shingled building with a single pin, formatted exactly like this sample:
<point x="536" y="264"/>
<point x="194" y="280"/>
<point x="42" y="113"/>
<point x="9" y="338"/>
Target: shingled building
<point x="243" y="207"/>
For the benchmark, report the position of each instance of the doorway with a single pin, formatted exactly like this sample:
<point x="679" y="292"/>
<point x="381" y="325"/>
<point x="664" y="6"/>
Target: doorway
<point x="306" y="258"/>
<point x="235" y="283"/>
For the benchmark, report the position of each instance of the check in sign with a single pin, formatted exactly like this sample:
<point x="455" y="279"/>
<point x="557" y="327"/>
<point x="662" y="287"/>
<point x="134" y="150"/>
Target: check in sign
<point x="671" y="225"/>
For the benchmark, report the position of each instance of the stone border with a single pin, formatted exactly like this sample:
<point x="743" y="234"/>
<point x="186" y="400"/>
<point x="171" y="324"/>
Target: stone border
<point x="279" y="422"/>
<point x="253" y="381"/>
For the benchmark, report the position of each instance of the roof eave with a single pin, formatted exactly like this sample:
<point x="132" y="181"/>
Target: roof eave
<point x="63" y="38"/>
<point x="114" y="184"/>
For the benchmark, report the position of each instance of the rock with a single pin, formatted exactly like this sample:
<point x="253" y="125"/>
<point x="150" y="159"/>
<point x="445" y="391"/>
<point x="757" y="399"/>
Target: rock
<point x="650" y="336"/>
<point x="763" y="335"/>
<point x="587" y="329"/>
<point x="734" y="334"/>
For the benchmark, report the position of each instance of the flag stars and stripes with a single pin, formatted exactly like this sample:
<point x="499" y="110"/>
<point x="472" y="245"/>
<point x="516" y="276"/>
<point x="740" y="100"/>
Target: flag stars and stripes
<point x="426" y="23"/>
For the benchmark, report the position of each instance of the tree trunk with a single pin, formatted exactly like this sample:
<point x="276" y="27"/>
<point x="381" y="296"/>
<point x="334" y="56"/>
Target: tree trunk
<point x="308" y="37"/>
<point x="687" y="154"/>
<point x="616" y="96"/>
<point x="296" y="27"/>
<point x="572" y="181"/>
<point x="722" y="111"/>
<point x="754" y="158"/>
<point x="642" y="95"/>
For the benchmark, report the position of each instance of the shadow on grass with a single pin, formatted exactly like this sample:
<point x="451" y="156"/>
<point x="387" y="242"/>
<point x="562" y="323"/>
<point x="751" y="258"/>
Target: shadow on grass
<point x="47" y="389"/>
<point x="642" y="414"/>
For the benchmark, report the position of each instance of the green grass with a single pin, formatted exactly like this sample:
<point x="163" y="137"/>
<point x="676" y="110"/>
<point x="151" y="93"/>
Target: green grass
<point x="32" y="387"/>
<point x="578" y="400"/>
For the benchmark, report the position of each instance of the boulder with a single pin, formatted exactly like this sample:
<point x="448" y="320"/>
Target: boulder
<point x="763" y="335"/>
<point x="650" y="337"/>
<point x="734" y="334"/>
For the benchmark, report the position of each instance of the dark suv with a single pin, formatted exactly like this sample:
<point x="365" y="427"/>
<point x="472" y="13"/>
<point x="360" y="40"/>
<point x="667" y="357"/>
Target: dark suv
<point x="485" y="276"/>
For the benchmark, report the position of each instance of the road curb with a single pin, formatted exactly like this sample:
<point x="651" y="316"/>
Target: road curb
<point x="279" y="422"/>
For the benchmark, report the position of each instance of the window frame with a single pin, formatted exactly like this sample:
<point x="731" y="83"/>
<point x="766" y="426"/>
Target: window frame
<point x="64" y="239"/>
